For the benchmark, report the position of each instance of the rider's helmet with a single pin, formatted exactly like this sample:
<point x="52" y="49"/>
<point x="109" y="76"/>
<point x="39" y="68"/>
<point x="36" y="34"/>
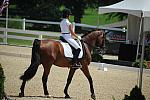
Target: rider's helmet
<point x="66" y="12"/>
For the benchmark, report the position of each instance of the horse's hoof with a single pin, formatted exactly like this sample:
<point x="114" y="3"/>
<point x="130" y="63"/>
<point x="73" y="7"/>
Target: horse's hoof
<point x="67" y="97"/>
<point x="21" y="94"/>
<point x="48" y="96"/>
<point x="93" y="96"/>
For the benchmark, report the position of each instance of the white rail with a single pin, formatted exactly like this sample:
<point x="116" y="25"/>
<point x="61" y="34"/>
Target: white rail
<point x="20" y="31"/>
<point x="57" y="23"/>
<point x="39" y="33"/>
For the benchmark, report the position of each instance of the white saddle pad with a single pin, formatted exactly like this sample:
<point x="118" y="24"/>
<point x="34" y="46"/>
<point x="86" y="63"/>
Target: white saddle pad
<point x="68" y="50"/>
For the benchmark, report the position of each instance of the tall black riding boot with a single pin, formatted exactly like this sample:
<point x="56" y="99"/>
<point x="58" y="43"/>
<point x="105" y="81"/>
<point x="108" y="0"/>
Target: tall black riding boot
<point x="75" y="63"/>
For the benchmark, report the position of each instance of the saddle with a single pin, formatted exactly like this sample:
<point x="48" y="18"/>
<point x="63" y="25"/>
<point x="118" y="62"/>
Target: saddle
<point x="69" y="50"/>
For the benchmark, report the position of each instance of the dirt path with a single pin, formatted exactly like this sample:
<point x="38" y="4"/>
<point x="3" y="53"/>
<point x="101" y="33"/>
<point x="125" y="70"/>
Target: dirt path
<point x="113" y="83"/>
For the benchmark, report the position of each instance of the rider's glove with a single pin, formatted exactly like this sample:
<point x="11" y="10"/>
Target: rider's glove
<point x="79" y="37"/>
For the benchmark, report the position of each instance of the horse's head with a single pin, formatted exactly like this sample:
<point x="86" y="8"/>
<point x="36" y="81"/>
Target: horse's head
<point x="94" y="39"/>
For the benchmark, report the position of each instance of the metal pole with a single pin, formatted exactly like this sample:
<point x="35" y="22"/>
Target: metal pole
<point x="138" y="45"/>
<point x="127" y="41"/>
<point x="5" y="33"/>
<point x="141" y="63"/>
<point x="142" y="55"/>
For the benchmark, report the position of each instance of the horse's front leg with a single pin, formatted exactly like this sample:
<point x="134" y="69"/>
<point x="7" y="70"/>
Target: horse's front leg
<point x="71" y="73"/>
<point x="86" y="72"/>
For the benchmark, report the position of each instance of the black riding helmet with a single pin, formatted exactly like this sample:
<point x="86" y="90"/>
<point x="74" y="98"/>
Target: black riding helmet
<point x="66" y="12"/>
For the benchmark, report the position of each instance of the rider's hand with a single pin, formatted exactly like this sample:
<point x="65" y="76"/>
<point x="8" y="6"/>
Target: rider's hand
<point x="79" y="37"/>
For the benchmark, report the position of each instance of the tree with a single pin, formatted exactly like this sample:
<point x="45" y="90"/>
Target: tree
<point x="38" y="9"/>
<point x="78" y="6"/>
<point x="48" y="10"/>
<point x="108" y="2"/>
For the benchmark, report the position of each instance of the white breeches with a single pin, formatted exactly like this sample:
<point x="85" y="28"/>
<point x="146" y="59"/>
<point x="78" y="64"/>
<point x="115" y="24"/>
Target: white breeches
<point x="70" y="40"/>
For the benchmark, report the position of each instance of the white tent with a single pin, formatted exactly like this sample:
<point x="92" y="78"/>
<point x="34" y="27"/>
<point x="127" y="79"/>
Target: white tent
<point x="133" y="7"/>
<point x="139" y="8"/>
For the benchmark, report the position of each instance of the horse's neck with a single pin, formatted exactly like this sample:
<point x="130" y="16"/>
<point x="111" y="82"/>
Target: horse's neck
<point x="90" y="41"/>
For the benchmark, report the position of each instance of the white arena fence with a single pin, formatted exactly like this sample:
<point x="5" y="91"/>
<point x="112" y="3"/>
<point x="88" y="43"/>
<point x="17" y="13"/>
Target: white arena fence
<point x="40" y="34"/>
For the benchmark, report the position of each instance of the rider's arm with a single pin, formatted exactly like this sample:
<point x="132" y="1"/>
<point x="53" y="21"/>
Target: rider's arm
<point x="72" y="32"/>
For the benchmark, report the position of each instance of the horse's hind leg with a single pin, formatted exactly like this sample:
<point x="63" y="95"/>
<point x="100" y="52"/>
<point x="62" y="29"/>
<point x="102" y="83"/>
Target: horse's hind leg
<point x="71" y="73"/>
<point x="45" y="77"/>
<point x="21" y="94"/>
<point x="86" y="72"/>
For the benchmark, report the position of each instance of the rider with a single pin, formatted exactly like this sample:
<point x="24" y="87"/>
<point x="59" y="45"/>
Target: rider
<point x="68" y="34"/>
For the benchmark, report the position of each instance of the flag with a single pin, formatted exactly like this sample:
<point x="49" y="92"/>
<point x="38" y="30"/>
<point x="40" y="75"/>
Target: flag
<point x="3" y="6"/>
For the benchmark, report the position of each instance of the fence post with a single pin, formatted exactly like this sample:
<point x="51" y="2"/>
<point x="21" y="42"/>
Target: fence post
<point x="40" y="36"/>
<point x="6" y="30"/>
<point x="23" y="23"/>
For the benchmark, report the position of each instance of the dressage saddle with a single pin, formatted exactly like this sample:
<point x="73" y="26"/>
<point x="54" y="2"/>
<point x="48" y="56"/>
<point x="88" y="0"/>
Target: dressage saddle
<point x="75" y="52"/>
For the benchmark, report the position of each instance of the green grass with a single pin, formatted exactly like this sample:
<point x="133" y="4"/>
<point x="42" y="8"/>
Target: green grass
<point x="91" y="17"/>
<point x="20" y="42"/>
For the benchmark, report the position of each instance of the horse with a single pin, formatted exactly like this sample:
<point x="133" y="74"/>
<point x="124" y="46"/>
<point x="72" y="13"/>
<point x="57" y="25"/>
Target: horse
<point x="48" y="52"/>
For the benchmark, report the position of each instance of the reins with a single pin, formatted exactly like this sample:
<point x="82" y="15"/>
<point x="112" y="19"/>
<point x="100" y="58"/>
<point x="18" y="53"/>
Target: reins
<point x="88" y="44"/>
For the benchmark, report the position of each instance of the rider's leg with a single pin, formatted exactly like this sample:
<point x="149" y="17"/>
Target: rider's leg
<point x="73" y="43"/>
<point x="75" y="62"/>
<point x="77" y="50"/>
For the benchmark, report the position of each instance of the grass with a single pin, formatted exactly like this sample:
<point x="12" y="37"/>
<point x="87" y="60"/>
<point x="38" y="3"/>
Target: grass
<point x="20" y="42"/>
<point x="91" y="17"/>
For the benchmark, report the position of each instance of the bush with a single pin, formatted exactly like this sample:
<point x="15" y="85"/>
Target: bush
<point x="2" y="78"/>
<point x="137" y="64"/>
<point x="147" y="53"/>
<point x="96" y="56"/>
<point x="135" y="94"/>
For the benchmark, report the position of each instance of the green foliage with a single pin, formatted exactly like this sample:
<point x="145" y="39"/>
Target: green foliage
<point x="117" y="16"/>
<point x="15" y="24"/>
<point x="91" y="17"/>
<point x="137" y="64"/>
<point x="113" y="97"/>
<point x="78" y="7"/>
<point x="2" y="78"/>
<point x="108" y="2"/>
<point x="135" y="94"/>
<point x="147" y="53"/>
<point x="37" y="10"/>
<point x="96" y="57"/>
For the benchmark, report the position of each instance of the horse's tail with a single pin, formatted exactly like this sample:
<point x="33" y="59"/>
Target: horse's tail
<point x="35" y="62"/>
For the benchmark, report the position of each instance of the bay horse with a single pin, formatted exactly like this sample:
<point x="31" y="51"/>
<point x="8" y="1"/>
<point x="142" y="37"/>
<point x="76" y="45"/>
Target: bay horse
<point x="48" y="52"/>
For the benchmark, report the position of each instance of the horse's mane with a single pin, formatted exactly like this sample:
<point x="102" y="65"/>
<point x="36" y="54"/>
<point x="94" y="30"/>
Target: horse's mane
<point x="89" y="32"/>
<point x="86" y="33"/>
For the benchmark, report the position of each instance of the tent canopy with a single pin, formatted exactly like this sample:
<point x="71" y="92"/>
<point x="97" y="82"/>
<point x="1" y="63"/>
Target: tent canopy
<point x="133" y="7"/>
